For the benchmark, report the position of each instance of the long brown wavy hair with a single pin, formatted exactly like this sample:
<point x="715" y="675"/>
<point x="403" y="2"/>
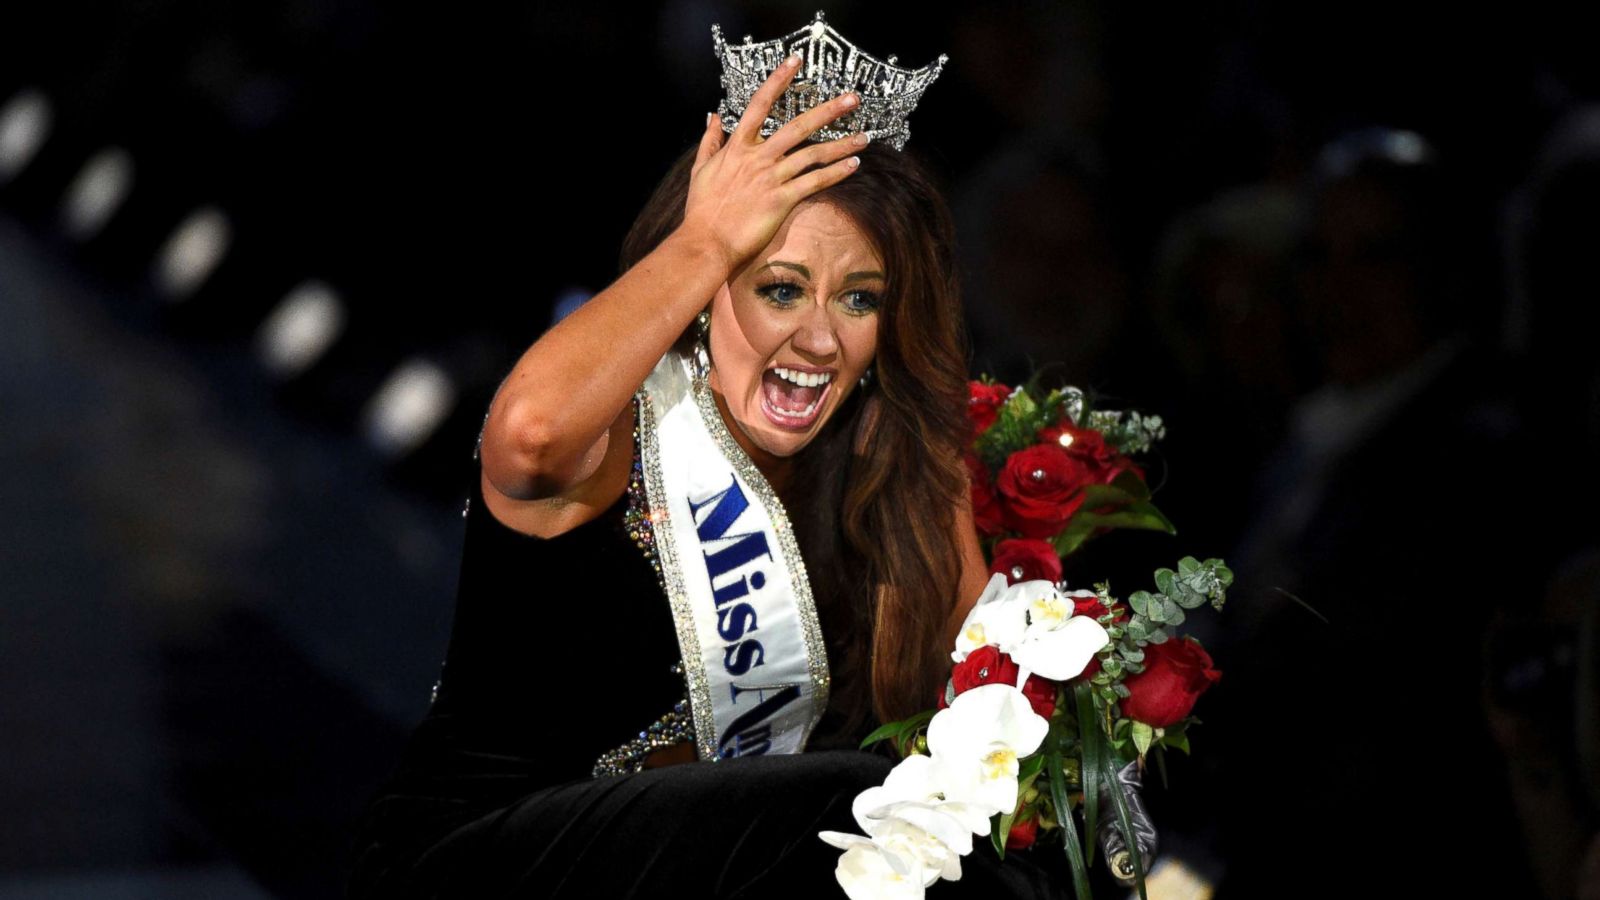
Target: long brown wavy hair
<point x="882" y="477"/>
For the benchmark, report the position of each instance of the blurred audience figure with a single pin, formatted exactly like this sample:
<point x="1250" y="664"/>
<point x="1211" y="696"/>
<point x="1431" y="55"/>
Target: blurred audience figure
<point x="1228" y="359"/>
<point x="1350" y="744"/>
<point x="1542" y="700"/>
<point x="1042" y="279"/>
<point x="1542" y="655"/>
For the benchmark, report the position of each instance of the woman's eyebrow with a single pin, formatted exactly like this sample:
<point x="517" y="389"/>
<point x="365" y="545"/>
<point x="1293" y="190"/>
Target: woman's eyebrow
<point x="853" y="276"/>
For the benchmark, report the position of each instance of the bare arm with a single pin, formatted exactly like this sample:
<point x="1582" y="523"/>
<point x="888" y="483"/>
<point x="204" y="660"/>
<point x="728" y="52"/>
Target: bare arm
<point x="554" y="410"/>
<point x="563" y="394"/>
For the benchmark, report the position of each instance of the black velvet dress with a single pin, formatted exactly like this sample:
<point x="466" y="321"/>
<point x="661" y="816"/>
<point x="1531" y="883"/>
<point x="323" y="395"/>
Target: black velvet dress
<point x="562" y="649"/>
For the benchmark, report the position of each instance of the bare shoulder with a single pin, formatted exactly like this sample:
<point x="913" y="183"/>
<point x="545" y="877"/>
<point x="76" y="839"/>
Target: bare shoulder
<point x="603" y="479"/>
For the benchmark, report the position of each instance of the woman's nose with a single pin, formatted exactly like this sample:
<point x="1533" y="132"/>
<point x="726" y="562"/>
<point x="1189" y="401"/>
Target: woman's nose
<point x="816" y="335"/>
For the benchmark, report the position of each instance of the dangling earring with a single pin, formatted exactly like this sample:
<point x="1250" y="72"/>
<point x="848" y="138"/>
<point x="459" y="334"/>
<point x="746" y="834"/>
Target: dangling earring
<point x="702" y="357"/>
<point x="866" y="378"/>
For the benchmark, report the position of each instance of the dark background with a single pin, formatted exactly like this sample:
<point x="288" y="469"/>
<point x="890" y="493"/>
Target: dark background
<point x="262" y="267"/>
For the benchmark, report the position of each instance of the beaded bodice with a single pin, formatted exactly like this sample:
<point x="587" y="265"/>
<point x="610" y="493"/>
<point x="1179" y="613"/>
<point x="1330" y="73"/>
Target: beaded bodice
<point x="676" y="726"/>
<point x="563" y="652"/>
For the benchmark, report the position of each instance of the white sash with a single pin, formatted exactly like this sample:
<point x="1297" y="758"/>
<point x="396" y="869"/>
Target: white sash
<point x="751" y="641"/>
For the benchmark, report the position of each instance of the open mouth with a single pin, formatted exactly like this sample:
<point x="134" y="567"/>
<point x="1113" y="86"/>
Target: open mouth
<point x="789" y="405"/>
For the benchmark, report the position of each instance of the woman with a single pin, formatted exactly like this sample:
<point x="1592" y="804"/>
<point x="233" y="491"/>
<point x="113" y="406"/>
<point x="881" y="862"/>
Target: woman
<point x="828" y="384"/>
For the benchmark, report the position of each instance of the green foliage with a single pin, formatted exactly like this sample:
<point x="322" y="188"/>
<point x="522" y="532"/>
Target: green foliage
<point x="1069" y="829"/>
<point x="1130" y="432"/>
<point x="1142" y="736"/>
<point x="1093" y="741"/>
<point x="903" y="733"/>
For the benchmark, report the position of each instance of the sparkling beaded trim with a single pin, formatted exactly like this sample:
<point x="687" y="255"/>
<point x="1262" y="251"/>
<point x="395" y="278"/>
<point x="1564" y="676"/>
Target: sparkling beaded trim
<point x="672" y="575"/>
<point x="637" y="520"/>
<point x="676" y="727"/>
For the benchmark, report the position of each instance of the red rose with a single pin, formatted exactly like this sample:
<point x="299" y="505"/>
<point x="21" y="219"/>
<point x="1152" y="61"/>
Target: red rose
<point x="1175" y="674"/>
<point x="987" y="665"/>
<point x="1023" y="832"/>
<point x="1090" y="447"/>
<point x="983" y="404"/>
<point x="1037" y="560"/>
<point x="1040" y="488"/>
<point x="985" y="506"/>
<point x="1086" y="444"/>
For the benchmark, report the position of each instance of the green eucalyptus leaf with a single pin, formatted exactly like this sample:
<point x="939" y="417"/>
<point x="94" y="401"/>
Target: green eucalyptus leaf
<point x="1189" y="598"/>
<point x="1164" y="580"/>
<point x="1224" y="574"/>
<point x="1139" y="602"/>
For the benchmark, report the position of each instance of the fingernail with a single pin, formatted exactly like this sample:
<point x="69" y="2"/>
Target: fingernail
<point x="793" y="60"/>
<point x="849" y="99"/>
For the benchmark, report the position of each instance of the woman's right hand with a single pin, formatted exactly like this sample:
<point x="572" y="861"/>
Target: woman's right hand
<point x="741" y="189"/>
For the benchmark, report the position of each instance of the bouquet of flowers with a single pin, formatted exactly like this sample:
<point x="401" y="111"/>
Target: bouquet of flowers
<point x="1056" y="697"/>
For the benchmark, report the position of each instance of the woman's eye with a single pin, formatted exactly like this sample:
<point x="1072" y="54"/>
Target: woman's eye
<point x="773" y="291"/>
<point x="785" y="294"/>
<point x="862" y="302"/>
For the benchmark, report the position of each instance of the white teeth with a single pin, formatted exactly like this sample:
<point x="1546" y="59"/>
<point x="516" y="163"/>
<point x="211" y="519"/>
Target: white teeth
<point x="810" y="408"/>
<point x="796" y="416"/>
<point x="804" y="379"/>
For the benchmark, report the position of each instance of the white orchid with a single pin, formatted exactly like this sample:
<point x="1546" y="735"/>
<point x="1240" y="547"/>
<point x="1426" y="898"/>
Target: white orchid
<point x="997" y="618"/>
<point x="921" y="820"/>
<point x="1032" y="622"/>
<point x="866" y="873"/>
<point x="917" y="779"/>
<point x="920" y="834"/>
<point x="903" y="838"/>
<point x="1057" y="644"/>
<point x="976" y="743"/>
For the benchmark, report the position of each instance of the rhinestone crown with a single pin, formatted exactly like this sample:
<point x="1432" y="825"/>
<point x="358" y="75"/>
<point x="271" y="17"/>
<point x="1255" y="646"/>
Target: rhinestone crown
<point x="831" y="66"/>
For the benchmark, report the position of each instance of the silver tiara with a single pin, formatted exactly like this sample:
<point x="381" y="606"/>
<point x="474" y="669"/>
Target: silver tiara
<point x="832" y="66"/>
